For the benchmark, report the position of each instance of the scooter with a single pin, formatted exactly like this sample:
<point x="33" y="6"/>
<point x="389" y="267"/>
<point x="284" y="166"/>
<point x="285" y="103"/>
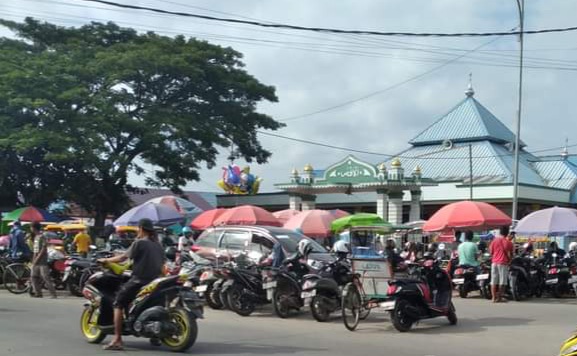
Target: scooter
<point x="164" y="310"/>
<point x="424" y="298"/>
<point x="559" y="279"/>
<point x="526" y="279"/>
<point x="466" y="280"/>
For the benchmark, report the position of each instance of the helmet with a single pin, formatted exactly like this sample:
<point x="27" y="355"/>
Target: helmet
<point x="186" y="230"/>
<point x="442" y="246"/>
<point x="341" y="247"/>
<point x="305" y="246"/>
<point x="170" y="253"/>
<point x="573" y="246"/>
<point x="390" y="243"/>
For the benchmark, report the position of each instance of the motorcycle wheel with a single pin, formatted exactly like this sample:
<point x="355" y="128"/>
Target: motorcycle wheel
<point x="351" y="307"/>
<point x="517" y="288"/>
<point x="485" y="290"/>
<point x="212" y="298"/>
<point x="280" y="309"/>
<point x="319" y="312"/>
<point x="187" y="331"/>
<point x="89" y="327"/>
<point x="399" y="317"/>
<point x="74" y="287"/>
<point x="557" y="291"/>
<point x="223" y="296"/>
<point x="239" y="302"/>
<point x="452" y="315"/>
<point x="463" y="291"/>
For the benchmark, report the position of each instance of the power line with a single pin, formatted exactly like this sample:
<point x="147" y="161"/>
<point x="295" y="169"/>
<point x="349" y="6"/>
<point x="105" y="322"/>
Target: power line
<point x="372" y="153"/>
<point x="330" y="30"/>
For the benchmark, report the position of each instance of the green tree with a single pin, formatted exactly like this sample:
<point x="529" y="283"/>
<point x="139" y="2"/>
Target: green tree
<point x="99" y="99"/>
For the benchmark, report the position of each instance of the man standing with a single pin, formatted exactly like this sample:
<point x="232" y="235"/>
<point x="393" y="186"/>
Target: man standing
<point x="40" y="270"/>
<point x="82" y="243"/>
<point x="148" y="260"/>
<point x="502" y="252"/>
<point x="468" y="251"/>
<point x="18" y="248"/>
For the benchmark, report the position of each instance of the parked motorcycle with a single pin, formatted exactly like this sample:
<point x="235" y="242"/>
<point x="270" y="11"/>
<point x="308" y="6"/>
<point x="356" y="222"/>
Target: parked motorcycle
<point x="465" y="280"/>
<point x="163" y="310"/>
<point x="526" y="278"/>
<point x="559" y="275"/>
<point x="79" y="269"/>
<point x="424" y="298"/>
<point x="323" y="293"/>
<point x="243" y="289"/>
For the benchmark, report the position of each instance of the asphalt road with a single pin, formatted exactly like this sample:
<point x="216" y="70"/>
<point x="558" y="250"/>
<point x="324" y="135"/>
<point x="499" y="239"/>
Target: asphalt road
<point x="50" y="327"/>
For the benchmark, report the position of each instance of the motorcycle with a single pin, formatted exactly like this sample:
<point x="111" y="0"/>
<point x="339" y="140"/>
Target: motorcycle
<point x="323" y="293"/>
<point x="559" y="278"/>
<point x="244" y="290"/>
<point x="423" y="298"/>
<point x="57" y="267"/>
<point x="526" y="279"/>
<point x="79" y="269"/>
<point x="283" y="286"/>
<point x="569" y="347"/>
<point x="466" y="280"/>
<point x="164" y="310"/>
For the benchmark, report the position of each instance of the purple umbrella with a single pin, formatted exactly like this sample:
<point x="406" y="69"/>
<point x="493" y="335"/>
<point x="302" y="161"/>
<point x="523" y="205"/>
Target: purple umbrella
<point x="552" y="221"/>
<point x="160" y="215"/>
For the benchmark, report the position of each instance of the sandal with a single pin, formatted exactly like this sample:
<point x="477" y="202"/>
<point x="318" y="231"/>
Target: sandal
<point x="113" y="347"/>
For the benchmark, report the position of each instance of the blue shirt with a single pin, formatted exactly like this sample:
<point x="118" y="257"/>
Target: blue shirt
<point x="17" y="243"/>
<point x="468" y="254"/>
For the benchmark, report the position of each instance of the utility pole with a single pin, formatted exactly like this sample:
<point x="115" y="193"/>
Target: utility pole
<point x="470" y="172"/>
<point x="521" y="8"/>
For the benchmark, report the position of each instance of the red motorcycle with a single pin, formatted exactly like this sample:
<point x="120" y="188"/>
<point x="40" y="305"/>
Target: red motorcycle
<point x="424" y="297"/>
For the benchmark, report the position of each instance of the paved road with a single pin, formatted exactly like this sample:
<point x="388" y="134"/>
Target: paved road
<point x="50" y="327"/>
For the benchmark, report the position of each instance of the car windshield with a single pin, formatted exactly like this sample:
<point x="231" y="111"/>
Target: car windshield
<point x="290" y="240"/>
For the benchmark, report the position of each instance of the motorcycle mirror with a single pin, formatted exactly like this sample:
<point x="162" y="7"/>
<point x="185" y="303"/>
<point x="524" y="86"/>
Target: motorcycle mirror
<point x="93" y="247"/>
<point x="554" y="255"/>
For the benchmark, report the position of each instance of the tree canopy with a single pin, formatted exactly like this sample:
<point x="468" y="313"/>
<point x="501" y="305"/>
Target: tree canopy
<point x="81" y="107"/>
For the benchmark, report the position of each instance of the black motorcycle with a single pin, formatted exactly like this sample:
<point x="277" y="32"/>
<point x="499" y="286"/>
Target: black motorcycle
<point x="243" y="289"/>
<point x="164" y="310"/>
<point x="526" y="278"/>
<point x="465" y="279"/>
<point x="424" y="298"/>
<point x="323" y="292"/>
<point x="558" y="280"/>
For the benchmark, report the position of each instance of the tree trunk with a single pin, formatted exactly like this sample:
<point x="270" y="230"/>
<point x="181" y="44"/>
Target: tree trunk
<point x="99" y="220"/>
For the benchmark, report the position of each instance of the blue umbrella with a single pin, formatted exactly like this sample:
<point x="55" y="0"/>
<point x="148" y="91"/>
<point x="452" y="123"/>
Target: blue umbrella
<point x="160" y="215"/>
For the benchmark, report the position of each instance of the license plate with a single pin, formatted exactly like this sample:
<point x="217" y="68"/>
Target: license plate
<point x="533" y="272"/>
<point x="269" y="294"/>
<point x="269" y="285"/>
<point x="310" y="294"/>
<point x="201" y="288"/>
<point x="188" y="284"/>
<point x="459" y="280"/>
<point x="388" y="305"/>
<point x="552" y="281"/>
<point x="482" y="277"/>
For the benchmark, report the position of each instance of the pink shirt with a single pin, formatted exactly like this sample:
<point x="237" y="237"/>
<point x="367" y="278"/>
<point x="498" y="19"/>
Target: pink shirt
<point x="501" y="250"/>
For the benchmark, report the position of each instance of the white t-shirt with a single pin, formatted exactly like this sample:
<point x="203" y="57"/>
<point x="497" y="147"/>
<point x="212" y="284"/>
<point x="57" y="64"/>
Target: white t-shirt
<point x="184" y="243"/>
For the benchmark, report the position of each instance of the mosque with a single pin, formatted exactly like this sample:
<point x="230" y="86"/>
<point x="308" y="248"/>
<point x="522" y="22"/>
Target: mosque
<point x="465" y="154"/>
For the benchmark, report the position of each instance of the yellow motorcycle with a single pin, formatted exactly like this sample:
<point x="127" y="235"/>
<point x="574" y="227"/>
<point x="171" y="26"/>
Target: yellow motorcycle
<point x="569" y="347"/>
<point x="165" y="310"/>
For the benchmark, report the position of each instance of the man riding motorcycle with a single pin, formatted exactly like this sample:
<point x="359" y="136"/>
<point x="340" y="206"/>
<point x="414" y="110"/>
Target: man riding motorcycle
<point x="148" y="260"/>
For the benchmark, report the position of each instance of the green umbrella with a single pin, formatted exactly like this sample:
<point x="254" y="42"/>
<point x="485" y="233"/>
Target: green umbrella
<point x="361" y="219"/>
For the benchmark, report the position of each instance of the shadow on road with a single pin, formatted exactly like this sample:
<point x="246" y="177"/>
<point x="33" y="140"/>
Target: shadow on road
<point x="219" y="348"/>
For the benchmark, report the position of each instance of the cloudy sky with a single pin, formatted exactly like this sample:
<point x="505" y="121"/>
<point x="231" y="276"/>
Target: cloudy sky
<point x="406" y="83"/>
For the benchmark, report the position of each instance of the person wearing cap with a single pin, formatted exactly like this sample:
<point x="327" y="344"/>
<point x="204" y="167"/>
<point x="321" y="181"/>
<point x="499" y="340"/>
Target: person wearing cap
<point x="148" y="260"/>
<point x="40" y="271"/>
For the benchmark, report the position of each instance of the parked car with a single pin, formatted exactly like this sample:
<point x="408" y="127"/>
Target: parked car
<point x="226" y="242"/>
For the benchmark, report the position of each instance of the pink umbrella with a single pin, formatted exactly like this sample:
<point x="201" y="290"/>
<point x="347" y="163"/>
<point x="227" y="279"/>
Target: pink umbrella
<point x="312" y="223"/>
<point x="4" y="240"/>
<point x="206" y="219"/>
<point x="467" y="214"/>
<point x="247" y="215"/>
<point x="284" y="215"/>
<point x="338" y="213"/>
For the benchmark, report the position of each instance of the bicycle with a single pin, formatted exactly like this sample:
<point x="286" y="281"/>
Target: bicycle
<point x="16" y="277"/>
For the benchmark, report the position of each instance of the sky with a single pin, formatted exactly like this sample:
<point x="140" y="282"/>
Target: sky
<point x="383" y="91"/>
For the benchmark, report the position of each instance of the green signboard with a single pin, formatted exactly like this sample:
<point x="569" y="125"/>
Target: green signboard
<point x="351" y="170"/>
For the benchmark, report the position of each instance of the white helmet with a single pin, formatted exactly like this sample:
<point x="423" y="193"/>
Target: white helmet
<point x="305" y="246"/>
<point x="442" y="247"/>
<point x="341" y="247"/>
<point x="573" y="246"/>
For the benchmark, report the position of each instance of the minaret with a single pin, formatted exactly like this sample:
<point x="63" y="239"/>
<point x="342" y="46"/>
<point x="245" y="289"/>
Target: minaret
<point x="565" y="152"/>
<point x="308" y="175"/>
<point x="295" y="178"/>
<point x="382" y="172"/>
<point x="470" y="92"/>
<point x="396" y="172"/>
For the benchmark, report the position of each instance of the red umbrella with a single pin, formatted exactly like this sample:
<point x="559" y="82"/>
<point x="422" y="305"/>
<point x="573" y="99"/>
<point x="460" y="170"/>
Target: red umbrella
<point x="284" y="215"/>
<point x="247" y="215"/>
<point x="312" y="223"/>
<point x="467" y="214"/>
<point x="206" y="219"/>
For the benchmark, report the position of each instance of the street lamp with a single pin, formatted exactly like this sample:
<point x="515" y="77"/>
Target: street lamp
<point x="521" y="8"/>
